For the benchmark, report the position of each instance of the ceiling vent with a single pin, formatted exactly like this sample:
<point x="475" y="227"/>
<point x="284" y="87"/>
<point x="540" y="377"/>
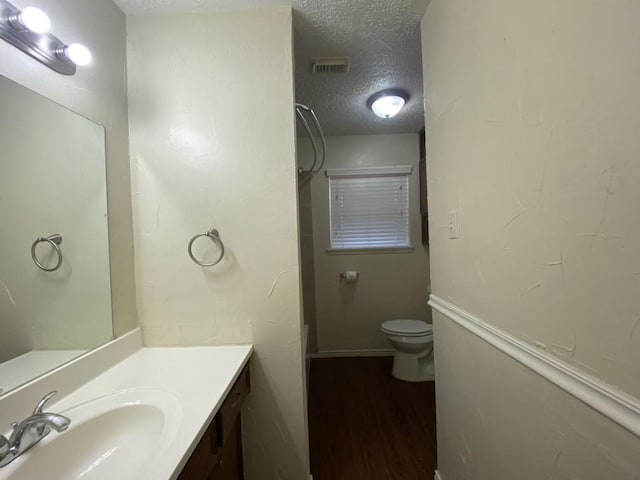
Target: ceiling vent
<point x="330" y="65"/>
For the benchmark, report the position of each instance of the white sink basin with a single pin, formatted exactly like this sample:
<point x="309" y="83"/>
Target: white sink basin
<point x="110" y="437"/>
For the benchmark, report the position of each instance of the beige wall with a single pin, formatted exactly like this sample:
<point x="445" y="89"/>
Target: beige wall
<point x="531" y="115"/>
<point x="499" y="420"/>
<point x="391" y="285"/>
<point x="212" y="145"/>
<point x="99" y="93"/>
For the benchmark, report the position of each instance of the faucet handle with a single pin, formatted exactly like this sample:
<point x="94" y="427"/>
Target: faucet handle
<point x="44" y="400"/>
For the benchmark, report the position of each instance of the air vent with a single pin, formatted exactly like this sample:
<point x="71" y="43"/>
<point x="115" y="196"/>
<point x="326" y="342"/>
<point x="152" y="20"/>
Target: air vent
<point x="330" y="65"/>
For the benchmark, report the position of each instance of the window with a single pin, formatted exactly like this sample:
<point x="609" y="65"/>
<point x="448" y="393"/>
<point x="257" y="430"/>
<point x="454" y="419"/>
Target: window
<point x="369" y="207"/>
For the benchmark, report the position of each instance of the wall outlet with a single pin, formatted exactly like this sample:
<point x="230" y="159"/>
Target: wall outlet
<point x="452" y="225"/>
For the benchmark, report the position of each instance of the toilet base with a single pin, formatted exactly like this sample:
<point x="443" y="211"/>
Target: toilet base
<point x="411" y="368"/>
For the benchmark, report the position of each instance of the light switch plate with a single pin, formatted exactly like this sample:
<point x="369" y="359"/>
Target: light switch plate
<point x="452" y="225"/>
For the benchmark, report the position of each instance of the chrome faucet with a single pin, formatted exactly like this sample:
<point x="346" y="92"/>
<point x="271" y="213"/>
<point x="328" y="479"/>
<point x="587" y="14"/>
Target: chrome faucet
<point x="30" y="431"/>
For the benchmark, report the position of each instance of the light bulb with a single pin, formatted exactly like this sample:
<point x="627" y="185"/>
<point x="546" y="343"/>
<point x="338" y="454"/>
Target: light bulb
<point x="388" y="106"/>
<point x="388" y="103"/>
<point x="34" y="19"/>
<point x="78" y="54"/>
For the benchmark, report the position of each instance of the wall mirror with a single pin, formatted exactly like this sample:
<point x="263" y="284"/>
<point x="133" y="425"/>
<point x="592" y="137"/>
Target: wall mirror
<point x="55" y="292"/>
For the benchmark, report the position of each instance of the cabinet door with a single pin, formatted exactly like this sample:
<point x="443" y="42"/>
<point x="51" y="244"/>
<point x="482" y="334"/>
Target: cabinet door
<point x="204" y="457"/>
<point x="229" y="465"/>
<point x="218" y="456"/>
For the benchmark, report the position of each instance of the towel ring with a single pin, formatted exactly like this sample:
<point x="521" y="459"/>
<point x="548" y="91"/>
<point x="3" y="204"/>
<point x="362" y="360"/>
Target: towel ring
<point x="213" y="235"/>
<point x="54" y="240"/>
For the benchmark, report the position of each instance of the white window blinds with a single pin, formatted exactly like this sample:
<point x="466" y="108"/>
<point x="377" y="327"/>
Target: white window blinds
<point x="369" y="208"/>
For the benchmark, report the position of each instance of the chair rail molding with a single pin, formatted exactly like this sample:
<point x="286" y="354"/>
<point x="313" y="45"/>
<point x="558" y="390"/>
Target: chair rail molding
<point x="616" y="405"/>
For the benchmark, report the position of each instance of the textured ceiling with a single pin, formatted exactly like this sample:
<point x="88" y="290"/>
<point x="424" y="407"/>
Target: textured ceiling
<point x="381" y="37"/>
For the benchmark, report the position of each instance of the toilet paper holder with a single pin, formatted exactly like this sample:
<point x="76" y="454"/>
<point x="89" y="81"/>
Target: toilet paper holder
<point x="349" y="276"/>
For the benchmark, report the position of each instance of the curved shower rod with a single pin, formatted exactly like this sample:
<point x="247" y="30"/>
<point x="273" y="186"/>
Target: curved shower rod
<point x="300" y="113"/>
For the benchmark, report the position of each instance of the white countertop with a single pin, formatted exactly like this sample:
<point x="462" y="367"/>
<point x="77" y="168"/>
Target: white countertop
<point x="22" y="369"/>
<point x="198" y="377"/>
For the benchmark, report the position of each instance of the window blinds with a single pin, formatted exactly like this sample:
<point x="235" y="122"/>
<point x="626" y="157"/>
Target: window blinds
<point x="369" y="210"/>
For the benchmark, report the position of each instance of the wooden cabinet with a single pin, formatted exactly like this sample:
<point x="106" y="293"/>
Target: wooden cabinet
<point x="218" y="456"/>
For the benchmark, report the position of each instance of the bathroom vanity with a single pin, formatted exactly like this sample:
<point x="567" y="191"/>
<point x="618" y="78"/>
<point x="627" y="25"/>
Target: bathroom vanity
<point x="135" y="413"/>
<point x="138" y="413"/>
<point x="218" y="455"/>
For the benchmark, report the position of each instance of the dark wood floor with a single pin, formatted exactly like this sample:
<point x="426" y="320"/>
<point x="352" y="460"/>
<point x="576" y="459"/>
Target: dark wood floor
<point x="366" y="425"/>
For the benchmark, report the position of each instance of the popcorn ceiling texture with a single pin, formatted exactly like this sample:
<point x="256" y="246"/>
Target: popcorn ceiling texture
<point x="382" y="38"/>
<point x="152" y="7"/>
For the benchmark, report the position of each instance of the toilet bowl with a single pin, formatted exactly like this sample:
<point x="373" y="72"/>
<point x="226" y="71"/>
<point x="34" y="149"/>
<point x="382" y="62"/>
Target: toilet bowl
<point x="412" y="341"/>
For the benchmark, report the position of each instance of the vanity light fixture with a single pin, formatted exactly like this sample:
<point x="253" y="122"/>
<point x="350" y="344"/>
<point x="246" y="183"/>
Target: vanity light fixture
<point x="27" y="29"/>
<point x="76" y="53"/>
<point x="31" y="18"/>
<point x="388" y="103"/>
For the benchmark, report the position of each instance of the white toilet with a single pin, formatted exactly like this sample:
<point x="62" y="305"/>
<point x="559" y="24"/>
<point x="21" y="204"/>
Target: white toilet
<point x="412" y="341"/>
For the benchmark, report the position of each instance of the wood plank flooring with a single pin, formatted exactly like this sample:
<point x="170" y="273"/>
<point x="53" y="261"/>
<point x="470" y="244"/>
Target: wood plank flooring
<point x="366" y="425"/>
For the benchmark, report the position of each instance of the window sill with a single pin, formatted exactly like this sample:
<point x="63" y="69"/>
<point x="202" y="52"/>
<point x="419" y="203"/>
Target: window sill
<point x="369" y="251"/>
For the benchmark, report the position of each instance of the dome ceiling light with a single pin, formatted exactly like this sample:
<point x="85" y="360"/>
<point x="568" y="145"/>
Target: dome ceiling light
<point x="388" y="103"/>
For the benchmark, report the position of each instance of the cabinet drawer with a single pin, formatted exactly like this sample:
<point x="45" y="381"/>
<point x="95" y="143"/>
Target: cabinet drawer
<point x="232" y="405"/>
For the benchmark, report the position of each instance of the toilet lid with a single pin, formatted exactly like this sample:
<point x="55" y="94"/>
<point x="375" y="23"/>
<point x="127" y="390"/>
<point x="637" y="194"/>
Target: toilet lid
<point x="407" y="327"/>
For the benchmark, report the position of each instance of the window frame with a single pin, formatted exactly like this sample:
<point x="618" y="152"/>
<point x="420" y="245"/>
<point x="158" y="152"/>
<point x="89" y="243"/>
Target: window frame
<point x="368" y="172"/>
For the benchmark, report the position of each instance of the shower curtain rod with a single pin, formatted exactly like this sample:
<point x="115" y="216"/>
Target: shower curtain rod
<point x="300" y="113"/>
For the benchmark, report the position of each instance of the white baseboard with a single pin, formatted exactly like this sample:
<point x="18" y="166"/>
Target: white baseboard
<point x="437" y="476"/>
<point x="614" y="404"/>
<point x="353" y="353"/>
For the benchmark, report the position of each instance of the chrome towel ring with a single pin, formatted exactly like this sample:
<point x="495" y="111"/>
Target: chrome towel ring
<point x="55" y="241"/>
<point x="215" y="237"/>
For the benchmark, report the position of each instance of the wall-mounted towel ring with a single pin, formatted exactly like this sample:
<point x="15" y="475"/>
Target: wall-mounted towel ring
<point x="213" y="235"/>
<point x="54" y="240"/>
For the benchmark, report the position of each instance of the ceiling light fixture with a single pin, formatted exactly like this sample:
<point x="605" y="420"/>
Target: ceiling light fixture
<point x="388" y="103"/>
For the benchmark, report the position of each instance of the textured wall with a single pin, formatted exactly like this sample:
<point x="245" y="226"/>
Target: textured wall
<point x="212" y="144"/>
<point x="97" y="92"/>
<point x="507" y="422"/>
<point x="382" y="37"/>
<point x="52" y="182"/>
<point x="531" y="137"/>
<point x="391" y="285"/>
